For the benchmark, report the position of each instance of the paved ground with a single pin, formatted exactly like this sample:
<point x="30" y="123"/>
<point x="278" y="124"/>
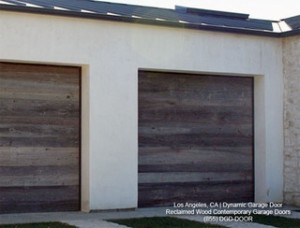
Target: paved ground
<point x="97" y="219"/>
<point x="81" y="219"/>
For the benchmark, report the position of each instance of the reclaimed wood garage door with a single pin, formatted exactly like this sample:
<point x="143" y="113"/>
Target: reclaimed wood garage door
<point x="39" y="138"/>
<point x="195" y="139"/>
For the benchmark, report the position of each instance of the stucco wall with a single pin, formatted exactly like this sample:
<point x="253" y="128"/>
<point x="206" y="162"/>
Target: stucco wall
<point x="291" y="47"/>
<point x="111" y="54"/>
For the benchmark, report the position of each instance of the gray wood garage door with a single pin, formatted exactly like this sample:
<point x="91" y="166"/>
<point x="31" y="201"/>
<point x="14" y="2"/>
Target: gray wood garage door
<point x="39" y="138"/>
<point x="195" y="139"/>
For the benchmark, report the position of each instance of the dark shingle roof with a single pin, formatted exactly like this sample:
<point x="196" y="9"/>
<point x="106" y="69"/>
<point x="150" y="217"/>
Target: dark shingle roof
<point x="293" y="22"/>
<point x="181" y="16"/>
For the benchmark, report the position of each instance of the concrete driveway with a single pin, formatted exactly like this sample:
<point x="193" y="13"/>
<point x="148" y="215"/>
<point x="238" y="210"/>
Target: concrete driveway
<point x="97" y="219"/>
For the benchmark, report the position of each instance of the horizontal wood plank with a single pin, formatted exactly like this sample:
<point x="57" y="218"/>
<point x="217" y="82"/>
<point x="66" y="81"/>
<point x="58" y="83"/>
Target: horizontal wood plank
<point x="195" y="138"/>
<point x="41" y="120"/>
<point x="57" y="141"/>
<point x="45" y="94"/>
<point x="39" y="156"/>
<point x="11" y="130"/>
<point x="39" y="138"/>
<point x="39" y="199"/>
<point x="39" y="108"/>
<point x="186" y="128"/>
<point x="165" y="194"/>
<point x="194" y="167"/>
<point x="37" y="70"/>
<point x="201" y="178"/>
<point x="204" y="139"/>
<point x="200" y="156"/>
<point x="18" y="176"/>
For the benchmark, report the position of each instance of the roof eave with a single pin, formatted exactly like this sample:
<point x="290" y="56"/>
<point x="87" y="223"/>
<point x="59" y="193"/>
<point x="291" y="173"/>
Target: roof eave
<point x="290" y="33"/>
<point x="174" y="24"/>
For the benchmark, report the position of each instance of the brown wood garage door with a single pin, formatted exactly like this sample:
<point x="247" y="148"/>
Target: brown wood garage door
<point x="39" y="138"/>
<point x="195" y="139"/>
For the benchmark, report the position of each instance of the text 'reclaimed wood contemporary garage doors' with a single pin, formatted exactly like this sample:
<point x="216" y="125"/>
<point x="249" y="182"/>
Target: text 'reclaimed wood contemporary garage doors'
<point x="39" y="138"/>
<point x="195" y="138"/>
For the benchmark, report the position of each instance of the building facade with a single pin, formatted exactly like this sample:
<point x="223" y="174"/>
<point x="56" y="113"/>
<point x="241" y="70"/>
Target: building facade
<point x="111" y="51"/>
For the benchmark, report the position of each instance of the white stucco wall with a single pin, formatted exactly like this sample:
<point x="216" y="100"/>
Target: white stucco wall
<point x="111" y="54"/>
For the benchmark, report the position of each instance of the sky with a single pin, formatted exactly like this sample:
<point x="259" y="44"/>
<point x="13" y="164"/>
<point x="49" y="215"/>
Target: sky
<point x="260" y="9"/>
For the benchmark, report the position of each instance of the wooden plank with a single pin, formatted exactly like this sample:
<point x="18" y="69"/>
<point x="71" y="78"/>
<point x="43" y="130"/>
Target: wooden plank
<point x="164" y="81"/>
<point x="194" y="159"/>
<point x="193" y="156"/>
<point x="57" y="141"/>
<point x="180" y="88"/>
<point x="39" y="138"/>
<point x="159" y="102"/>
<point x="19" y="176"/>
<point x="165" y="194"/>
<point x="195" y="138"/>
<point x="186" y="128"/>
<point x="50" y="93"/>
<point x="206" y="115"/>
<point x="194" y="167"/>
<point x="49" y="82"/>
<point x="197" y="149"/>
<point x="35" y="70"/>
<point x="201" y="178"/>
<point x="25" y="107"/>
<point x="17" y="130"/>
<point x="39" y="199"/>
<point x="39" y="156"/>
<point x="24" y="80"/>
<point x="17" y="87"/>
<point x="41" y="120"/>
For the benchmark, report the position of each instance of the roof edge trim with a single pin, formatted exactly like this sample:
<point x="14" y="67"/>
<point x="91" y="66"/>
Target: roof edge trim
<point x="207" y="12"/>
<point x="85" y="15"/>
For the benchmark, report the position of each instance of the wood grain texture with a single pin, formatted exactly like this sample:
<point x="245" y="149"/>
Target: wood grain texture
<point x="39" y="138"/>
<point x="165" y="194"/>
<point x="38" y="156"/>
<point x="38" y="199"/>
<point x="195" y="138"/>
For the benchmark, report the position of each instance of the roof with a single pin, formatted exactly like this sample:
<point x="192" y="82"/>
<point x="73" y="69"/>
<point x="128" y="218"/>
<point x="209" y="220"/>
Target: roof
<point x="293" y="22"/>
<point x="179" y="17"/>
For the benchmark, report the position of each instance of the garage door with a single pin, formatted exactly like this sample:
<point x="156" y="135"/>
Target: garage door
<point x="39" y="138"/>
<point x="195" y="139"/>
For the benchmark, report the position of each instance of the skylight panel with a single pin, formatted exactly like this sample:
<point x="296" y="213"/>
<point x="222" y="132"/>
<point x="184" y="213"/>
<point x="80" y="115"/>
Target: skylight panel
<point x="33" y="5"/>
<point x="284" y="26"/>
<point x="6" y="3"/>
<point x="60" y="8"/>
<point x="28" y="4"/>
<point x="112" y="14"/>
<point x="86" y="11"/>
<point x="134" y="16"/>
<point x="276" y="27"/>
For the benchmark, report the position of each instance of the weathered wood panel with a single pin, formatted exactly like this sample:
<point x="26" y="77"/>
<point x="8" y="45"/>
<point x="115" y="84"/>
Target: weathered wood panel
<point x="38" y="156"/>
<point x="62" y="121"/>
<point x="190" y="156"/>
<point x="210" y="177"/>
<point x="195" y="138"/>
<point x="39" y="176"/>
<point x="38" y="199"/>
<point x="29" y="107"/>
<point x="39" y="138"/>
<point x="165" y="194"/>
